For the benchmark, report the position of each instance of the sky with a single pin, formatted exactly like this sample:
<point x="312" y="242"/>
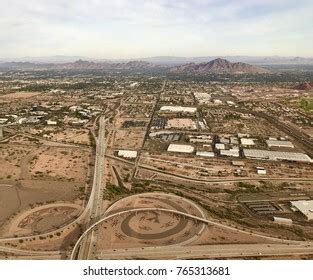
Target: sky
<point x="138" y="28"/>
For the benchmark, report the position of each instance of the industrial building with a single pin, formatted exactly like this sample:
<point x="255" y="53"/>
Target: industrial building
<point x="127" y="154"/>
<point x="274" y="155"/>
<point x="279" y="143"/>
<point x="205" y="154"/>
<point x="179" y="148"/>
<point x="305" y="207"/>
<point x="201" y="140"/>
<point x="178" y="109"/>
<point x="220" y="146"/>
<point x="247" y="142"/>
<point x="230" y="153"/>
<point x="181" y="123"/>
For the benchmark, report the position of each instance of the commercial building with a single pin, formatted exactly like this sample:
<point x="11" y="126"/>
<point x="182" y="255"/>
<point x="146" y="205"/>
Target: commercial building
<point x="230" y="153"/>
<point x="279" y="143"/>
<point x="178" y="109"/>
<point x="220" y="146"/>
<point x="247" y="142"/>
<point x="178" y="148"/>
<point x="127" y="154"/>
<point x="181" y="123"/>
<point x="205" y="154"/>
<point x="274" y="155"/>
<point x="305" y="207"/>
<point x="200" y="140"/>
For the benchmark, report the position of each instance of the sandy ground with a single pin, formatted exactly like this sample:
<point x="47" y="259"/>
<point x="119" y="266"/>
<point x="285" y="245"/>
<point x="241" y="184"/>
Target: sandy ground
<point x="129" y="139"/>
<point x="42" y="219"/>
<point x="19" y="95"/>
<point x="149" y="228"/>
<point x="32" y="175"/>
<point x="59" y="163"/>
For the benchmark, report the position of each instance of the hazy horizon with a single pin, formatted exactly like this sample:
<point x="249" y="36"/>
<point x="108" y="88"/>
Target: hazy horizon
<point x="137" y="29"/>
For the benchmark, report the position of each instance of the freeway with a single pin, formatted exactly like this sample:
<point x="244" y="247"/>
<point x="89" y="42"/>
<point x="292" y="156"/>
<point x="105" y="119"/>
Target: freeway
<point x="94" y="206"/>
<point x="81" y="241"/>
<point x="27" y="252"/>
<point x="208" y="251"/>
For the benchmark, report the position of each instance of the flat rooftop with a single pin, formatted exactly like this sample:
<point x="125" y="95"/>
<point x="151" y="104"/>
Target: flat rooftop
<point x="180" y="148"/>
<point x="178" y="109"/>
<point x="305" y="207"/>
<point x="274" y="155"/>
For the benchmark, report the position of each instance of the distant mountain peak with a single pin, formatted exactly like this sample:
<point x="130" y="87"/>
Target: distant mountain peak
<point x="218" y="66"/>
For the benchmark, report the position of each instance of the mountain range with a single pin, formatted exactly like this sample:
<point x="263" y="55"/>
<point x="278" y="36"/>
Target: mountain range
<point x="170" y="60"/>
<point x="218" y="66"/>
<point x="78" y="65"/>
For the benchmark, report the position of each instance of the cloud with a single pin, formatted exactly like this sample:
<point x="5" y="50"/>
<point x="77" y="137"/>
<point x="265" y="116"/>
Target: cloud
<point x="124" y="28"/>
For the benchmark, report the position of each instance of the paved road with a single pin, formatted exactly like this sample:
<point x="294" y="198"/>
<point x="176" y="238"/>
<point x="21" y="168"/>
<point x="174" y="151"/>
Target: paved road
<point x="81" y="241"/>
<point x="29" y="252"/>
<point x="227" y="180"/>
<point x="208" y="251"/>
<point x="94" y="206"/>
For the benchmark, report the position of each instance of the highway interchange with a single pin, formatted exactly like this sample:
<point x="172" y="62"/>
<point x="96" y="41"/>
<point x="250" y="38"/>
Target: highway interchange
<point x="92" y="216"/>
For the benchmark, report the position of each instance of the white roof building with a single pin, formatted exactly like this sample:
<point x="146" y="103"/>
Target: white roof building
<point x="247" y="141"/>
<point x="49" y="122"/>
<point x="230" y="153"/>
<point x="279" y="143"/>
<point x="274" y="155"/>
<point x="220" y="146"/>
<point x="178" y="148"/>
<point x="127" y="154"/>
<point x="305" y="207"/>
<point x="178" y="109"/>
<point x="261" y="170"/>
<point x="205" y="154"/>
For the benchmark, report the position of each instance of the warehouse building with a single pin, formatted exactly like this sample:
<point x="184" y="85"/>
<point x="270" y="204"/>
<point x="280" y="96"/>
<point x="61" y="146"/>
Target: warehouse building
<point x="230" y="153"/>
<point x="220" y="146"/>
<point x="181" y="123"/>
<point x="247" y="142"/>
<point x="178" y="109"/>
<point x="305" y="207"/>
<point x="205" y="154"/>
<point x="279" y="143"/>
<point x="127" y="154"/>
<point x="274" y="155"/>
<point x="179" y="148"/>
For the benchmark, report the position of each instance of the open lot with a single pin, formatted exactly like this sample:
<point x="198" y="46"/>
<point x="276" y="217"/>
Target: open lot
<point x="34" y="175"/>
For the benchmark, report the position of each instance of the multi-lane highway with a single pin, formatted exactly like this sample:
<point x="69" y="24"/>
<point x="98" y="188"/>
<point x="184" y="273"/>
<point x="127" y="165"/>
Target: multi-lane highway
<point x="81" y="243"/>
<point x="94" y="206"/>
<point x="208" y="251"/>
